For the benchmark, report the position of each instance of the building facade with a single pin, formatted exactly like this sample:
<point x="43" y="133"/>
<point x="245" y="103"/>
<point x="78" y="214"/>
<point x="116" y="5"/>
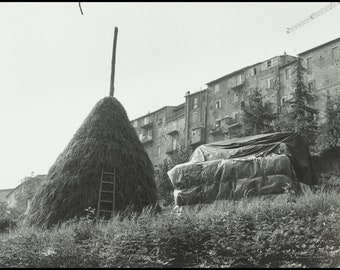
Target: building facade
<point x="161" y="132"/>
<point x="213" y="114"/>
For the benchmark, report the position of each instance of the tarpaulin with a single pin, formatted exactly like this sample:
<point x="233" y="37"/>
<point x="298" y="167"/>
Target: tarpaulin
<point x="288" y="143"/>
<point x="249" y="166"/>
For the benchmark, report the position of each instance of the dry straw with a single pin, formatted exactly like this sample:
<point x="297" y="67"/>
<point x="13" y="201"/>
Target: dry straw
<point x="105" y="139"/>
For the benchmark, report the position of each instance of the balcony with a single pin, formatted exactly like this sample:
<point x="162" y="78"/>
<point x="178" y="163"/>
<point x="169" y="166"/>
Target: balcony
<point x="172" y="129"/>
<point x="239" y="86"/>
<point x="197" y="136"/>
<point x="146" y="139"/>
<point x="147" y="124"/>
<point x="169" y="150"/>
<point x="215" y="130"/>
<point x="233" y="126"/>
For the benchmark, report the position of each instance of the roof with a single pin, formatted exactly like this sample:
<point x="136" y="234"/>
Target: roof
<point x="160" y="109"/>
<point x="319" y="46"/>
<point x="198" y="92"/>
<point x="233" y="73"/>
<point x="179" y="107"/>
<point x="288" y="64"/>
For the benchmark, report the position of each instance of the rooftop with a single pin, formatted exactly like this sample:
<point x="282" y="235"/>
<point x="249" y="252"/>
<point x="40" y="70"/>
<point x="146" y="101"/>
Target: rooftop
<point x="319" y="46"/>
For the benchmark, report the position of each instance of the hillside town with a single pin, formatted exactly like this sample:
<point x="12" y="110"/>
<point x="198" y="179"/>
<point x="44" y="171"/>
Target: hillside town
<point x="243" y="173"/>
<point x="213" y="114"/>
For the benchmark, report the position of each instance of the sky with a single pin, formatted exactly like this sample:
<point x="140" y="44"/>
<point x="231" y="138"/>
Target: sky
<point x="55" y="64"/>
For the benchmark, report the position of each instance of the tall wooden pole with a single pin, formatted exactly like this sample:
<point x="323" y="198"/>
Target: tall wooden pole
<point x="113" y="63"/>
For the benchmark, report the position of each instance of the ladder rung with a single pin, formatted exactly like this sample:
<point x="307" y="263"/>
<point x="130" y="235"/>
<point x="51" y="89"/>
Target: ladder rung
<point x="107" y="182"/>
<point x="108" y="173"/>
<point x="106" y="201"/>
<point x="110" y="191"/>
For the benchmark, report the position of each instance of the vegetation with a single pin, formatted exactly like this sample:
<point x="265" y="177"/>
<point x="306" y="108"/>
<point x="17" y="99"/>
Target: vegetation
<point x="280" y="231"/>
<point x="257" y="116"/>
<point x="329" y="131"/>
<point x="300" y="116"/>
<point x="165" y="188"/>
<point x="28" y="188"/>
<point x="8" y="217"/>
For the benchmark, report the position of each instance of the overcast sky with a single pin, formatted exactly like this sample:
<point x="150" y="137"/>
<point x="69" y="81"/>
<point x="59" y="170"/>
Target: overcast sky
<point x="55" y="63"/>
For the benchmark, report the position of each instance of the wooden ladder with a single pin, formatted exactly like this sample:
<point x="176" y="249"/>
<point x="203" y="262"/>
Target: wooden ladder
<point x="107" y="194"/>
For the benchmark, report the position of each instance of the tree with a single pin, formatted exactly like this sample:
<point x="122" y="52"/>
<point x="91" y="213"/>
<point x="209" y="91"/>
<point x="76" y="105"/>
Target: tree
<point x="164" y="186"/>
<point x="257" y="116"/>
<point x="301" y="116"/>
<point x="329" y="131"/>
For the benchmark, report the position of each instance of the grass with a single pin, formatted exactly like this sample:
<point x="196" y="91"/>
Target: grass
<point x="280" y="231"/>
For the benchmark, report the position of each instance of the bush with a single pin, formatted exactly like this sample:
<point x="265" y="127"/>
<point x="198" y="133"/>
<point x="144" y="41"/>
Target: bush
<point x="164" y="187"/>
<point x="8" y="218"/>
<point x="263" y="232"/>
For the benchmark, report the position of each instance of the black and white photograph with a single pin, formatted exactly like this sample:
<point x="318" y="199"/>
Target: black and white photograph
<point x="170" y="135"/>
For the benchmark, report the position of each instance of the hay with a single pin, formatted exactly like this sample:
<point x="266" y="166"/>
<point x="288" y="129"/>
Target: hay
<point x="107" y="139"/>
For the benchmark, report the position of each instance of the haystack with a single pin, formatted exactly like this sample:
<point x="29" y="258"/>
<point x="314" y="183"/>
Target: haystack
<point x="104" y="140"/>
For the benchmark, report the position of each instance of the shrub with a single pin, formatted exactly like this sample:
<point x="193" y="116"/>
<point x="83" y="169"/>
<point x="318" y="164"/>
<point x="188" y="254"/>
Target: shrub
<point x="262" y="232"/>
<point x="8" y="218"/>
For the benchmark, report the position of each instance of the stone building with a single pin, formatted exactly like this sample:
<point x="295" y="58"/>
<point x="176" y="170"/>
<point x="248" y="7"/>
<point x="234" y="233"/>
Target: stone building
<point x="225" y="95"/>
<point x="323" y="72"/>
<point x="213" y="114"/>
<point x="161" y="132"/>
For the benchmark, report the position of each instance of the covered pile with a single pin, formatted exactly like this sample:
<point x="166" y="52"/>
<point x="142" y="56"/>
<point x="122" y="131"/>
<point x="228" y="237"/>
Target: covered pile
<point x="104" y="140"/>
<point x="254" y="165"/>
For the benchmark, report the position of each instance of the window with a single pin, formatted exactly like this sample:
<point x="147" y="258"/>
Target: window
<point x="146" y="120"/>
<point x="238" y="79"/>
<point x="288" y="73"/>
<point x="335" y="52"/>
<point x="195" y="102"/>
<point x="283" y="100"/>
<point x="274" y="62"/>
<point x="174" y="143"/>
<point x="254" y="71"/>
<point x="217" y="87"/>
<point x="230" y="83"/>
<point x="150" y="133"/>
<point x="270" y="82"/>
<point x="194" y="116"/>
<point x="135" y="124"/>
<point x="311" y="86"/>
<point x="158" y="150"/>
<point x="269" y="63"/>
<point x="218" y="104"/>
<point x="309" y="64"/>
<point x="236" y="116"/>
<point x="235" y="97"/>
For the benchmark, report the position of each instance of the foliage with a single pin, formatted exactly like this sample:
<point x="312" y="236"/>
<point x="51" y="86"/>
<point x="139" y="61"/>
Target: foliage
<point x="165" y="188"/>
<point x="257" y="116"/>
<point x="329" y="131"/>
<point x="277" y="231"/>
<point x="300" y="116"/>
<point x="28" y="188"/>
<point x="8" y="217"/>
